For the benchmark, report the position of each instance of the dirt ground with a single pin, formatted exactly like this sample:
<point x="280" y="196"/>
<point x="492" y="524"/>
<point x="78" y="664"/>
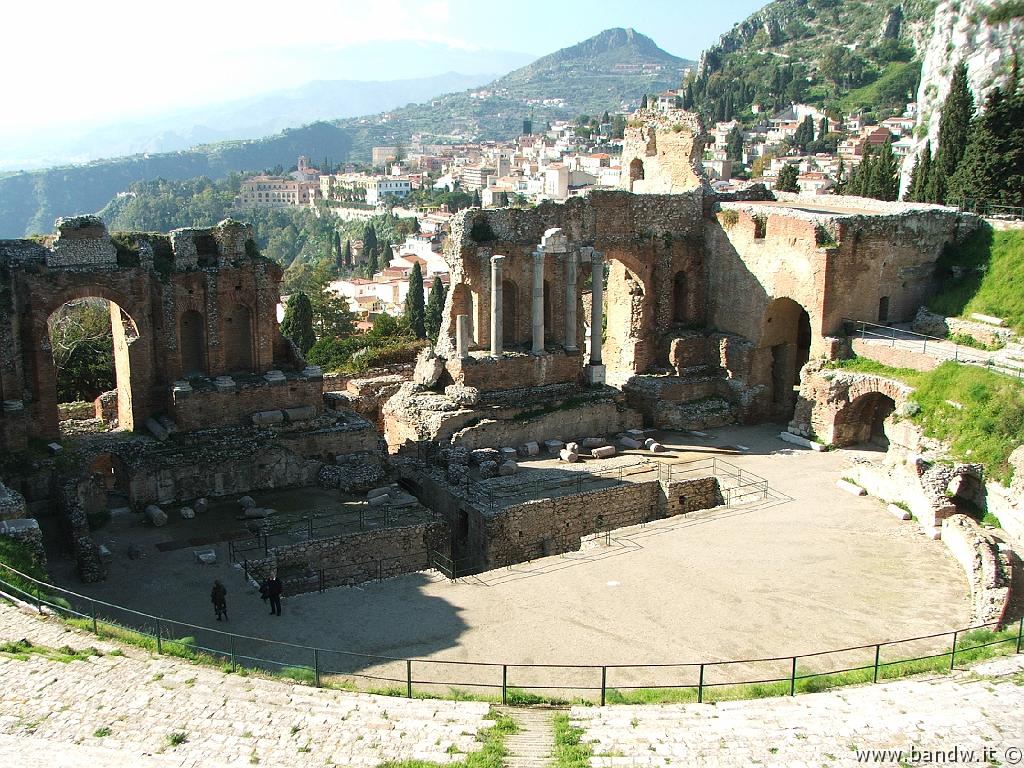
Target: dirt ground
<point x="811" y="568"/>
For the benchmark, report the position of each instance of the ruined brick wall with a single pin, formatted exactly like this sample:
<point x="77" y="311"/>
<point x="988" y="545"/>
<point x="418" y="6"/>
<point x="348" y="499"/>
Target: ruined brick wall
<point x="662" y="152"/>
<point x="207" y="406"/>
<point x="896" y="357"/>
<point x="197" y="301"/>
<point x="515" y="371"/>
<point x="357" y="557"/>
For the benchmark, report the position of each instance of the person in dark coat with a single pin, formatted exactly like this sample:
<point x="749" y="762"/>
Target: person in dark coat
<point x="219" y="597"/>
<point x="274" y="589"/>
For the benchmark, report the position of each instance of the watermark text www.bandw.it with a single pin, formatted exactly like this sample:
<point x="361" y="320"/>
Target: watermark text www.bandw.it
<point x="952" y="756"/>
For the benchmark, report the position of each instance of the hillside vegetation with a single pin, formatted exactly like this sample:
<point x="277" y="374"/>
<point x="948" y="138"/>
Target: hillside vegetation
<point x="836" y="54"/>
<point x="984" y="274"/>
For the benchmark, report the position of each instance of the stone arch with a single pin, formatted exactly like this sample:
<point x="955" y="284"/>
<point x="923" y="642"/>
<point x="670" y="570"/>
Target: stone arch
<point x="133" y="357"/>
<point x="510" y="312"/>
<point x="864" y="421"/>
<point x="237" y="339"/>
<point x="636" y="172"/>
<point x="192" y="343"/>
<point x="786" y="332"/>
<point x="462" y="304"/>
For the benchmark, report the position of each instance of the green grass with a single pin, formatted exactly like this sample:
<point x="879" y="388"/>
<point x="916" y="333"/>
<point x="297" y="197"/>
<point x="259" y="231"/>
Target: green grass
<point x="177" y="738"/>
<point x="992" y="279"/>
<point x="490" y="755"/>
<point x="101" y="732"/>
<point x="875" y="92"/>
<point x="23" y="649"/>
<point x="570" y="751"/>
<point x="299" y="674"/>
<point x="966" y="340"/>
<point x="20" y="557"/>
<point x="985" y="430"/>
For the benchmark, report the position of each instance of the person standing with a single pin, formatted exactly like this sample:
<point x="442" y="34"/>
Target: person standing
<point x="219" y="597"/>
<point x="274" y="589"/>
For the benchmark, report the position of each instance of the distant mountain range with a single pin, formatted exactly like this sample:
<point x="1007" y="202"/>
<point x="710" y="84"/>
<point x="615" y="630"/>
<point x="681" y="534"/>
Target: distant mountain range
<point x="609" y="71"/>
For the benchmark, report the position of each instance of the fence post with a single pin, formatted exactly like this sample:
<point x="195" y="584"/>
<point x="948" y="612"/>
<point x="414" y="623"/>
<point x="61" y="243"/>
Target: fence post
<point x="952" y="653"/>
<point x="504" y="684"/>
<point x="95" y="631"/>
<point x="604" y="684"/>
<point x="159" y="643"/>
<point x="316" y="667"/>
<point x="408" y="678"/>
<point x="231" y="650"/>
<point x="878" y="653"/>
<point x="792" y="679"/>
<point x="1020" y="633"/>
<point x="700" y="686"/>
<point x="893" y="338"/>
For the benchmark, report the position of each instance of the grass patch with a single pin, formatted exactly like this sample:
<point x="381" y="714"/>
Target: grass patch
<point x="101" y="732"/>
<point x="23" y="649"/>
<point x="966" y="340"/>
<point x="177" y="738"/>
<point x="895" y="77"/>
<point x="20" y="557"/>
<point x="490" y="755"/>
<point x="570" y="750"/>
<point x="984" y="274"/>
<point x="299" y="674"/>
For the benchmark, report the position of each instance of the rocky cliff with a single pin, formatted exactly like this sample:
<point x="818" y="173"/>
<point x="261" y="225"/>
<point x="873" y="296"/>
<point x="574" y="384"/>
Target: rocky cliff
<point x="985" y="34"/>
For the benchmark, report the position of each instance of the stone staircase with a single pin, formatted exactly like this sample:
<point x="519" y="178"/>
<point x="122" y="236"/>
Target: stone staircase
<point x="533" y="746"/>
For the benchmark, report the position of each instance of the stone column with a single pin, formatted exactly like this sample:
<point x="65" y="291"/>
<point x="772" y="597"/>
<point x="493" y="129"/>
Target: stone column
<point x="596" y="369"/>
<point x="570" y="301"/>
<point x="496" y="319"/>
<point x="537" y="302"/>
<point x="462" y="336"/>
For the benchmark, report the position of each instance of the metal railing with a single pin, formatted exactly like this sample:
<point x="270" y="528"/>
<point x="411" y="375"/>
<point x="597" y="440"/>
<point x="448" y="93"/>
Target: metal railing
<point x="990" y="209"/>
<point x="603" y="683"/>
<point x="932" y="346"/>
<point x="321" y="578"/>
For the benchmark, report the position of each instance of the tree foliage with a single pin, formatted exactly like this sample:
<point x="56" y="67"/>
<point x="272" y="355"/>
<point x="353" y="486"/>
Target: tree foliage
<point x="83" y="349"/>
<point x="434" y="309"/>
<point x="787" y="180"/>
<point x="414" y="307"/>
<point x="992" y="166"/>
<point x="954" y="127"/>
<point x="298" y="322"/>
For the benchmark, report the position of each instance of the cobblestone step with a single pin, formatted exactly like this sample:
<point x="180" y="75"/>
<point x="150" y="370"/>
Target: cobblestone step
<point x="533" y="746"/>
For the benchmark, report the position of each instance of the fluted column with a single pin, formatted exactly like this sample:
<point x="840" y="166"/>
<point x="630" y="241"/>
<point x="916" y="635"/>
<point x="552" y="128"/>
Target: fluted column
<point x="497" y="329"/>
<point x="570" y="301"/>
<point x="537" y="302"/>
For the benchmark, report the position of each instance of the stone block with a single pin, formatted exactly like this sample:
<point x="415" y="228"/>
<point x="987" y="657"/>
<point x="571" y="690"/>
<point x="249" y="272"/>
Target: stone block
<point x="373" y="494"/>
<point x="257" y="513"/>
<point x="224" y="384"/>
<point x="302" y="413"/>
<point x="852" y="488"/>
<point x="200" y="506"/>
<point x="572" y="446"/>
<point x="803" y="442"/>
<point x="569" y="456"/>
<point x="656" y="447"/>
<point x="206" y="556"/>
<point x="630" y="443"/>
<point x="593" y="442"/>
<point x="313" y="372"/>
<point x="987" y="319"/>
<point x="263" y="418"/>
<point x="181" y="390"/>
<point x="899" y="512"/>
<point x="187" y="513"/>
<point x="54" y="448"/>
<point x="553" y="446"/>
<point x="509" y="454"/>
<point x="480" y="455"/>
<point x="155" y="516"/>
<point x="595" y="374"/>
<point x="429" y="368"/>
<point x="104" y="553"/>
<point x="246" y="501"/>
<point x="529" y="449"/>
<point x="156" y="429"/>
<point x="507" y="468"/>
<point x="379" y="501"/>
<point x="636" y="434"/>
<point x="403" y="500"/>
<point x="274" y="378"/>
<point x="488" y="469"/>
<point x="604" y="452"/>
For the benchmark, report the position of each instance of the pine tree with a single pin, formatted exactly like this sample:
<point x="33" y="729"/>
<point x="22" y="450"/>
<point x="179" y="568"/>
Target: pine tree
<point x="434" y="309"/>
<point x="787" y="180"/>
<point x="414" y="309"/>
<point x="297" y="324"/>
<point x="992" y="167"/>
<point x="954" y="126"/>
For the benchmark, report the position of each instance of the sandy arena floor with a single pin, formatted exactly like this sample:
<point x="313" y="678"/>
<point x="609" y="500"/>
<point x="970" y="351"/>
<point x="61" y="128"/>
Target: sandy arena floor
<point x="810" y="569"/>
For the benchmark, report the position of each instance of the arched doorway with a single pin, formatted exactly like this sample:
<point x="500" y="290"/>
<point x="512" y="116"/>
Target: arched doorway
<point x="510" y="312"/>
<point x="636" y="172"/>
<point x="787" y="333"/>
<point x="865" y="421"/>
<point x="680" y="298"/>
<point x="192" y="343"/>
<point x="238" y="339"/>
<point x="91" y="345"/>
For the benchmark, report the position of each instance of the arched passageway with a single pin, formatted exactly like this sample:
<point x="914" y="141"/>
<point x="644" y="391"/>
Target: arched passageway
<point x="865" y="421"/>
<point x="238" y="339"/>
<point x="510" y="312"/>
<point x="636" y="172"/>
<point x="192" y="343"/>
<point x="680" y="298"/>
<point x="786" y="332"/>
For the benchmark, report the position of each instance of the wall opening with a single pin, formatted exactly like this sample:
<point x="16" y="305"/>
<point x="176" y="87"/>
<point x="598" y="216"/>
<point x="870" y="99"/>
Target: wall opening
<point x="636" y="171"/>
<point x="549" y="330"/>
<point x="865" y="421"/>
<point x="787" y="333"/>
<point x="238" y="339"/>
<point x="680" y="298"/>
<point x="462" y="304"/>
<point x="192" y="343"/>
<point x="883" y="309"/>
<point x="509" y="312"/>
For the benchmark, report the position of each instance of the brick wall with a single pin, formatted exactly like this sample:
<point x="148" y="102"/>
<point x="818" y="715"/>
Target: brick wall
<point x="206" y="407"/>
<point x="897" y="357"/>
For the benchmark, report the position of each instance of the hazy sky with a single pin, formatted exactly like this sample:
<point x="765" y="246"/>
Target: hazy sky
<point x="67" y="61"/>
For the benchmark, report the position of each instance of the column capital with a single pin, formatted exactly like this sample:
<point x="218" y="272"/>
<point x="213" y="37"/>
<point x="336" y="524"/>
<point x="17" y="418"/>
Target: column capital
<point x="497" y="260"/>
<point x="554" y="241"/>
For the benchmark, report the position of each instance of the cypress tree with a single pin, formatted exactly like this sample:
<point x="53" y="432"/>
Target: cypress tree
<point x="954" y="127"/>
<point x="435" y="306"/>
<point x="339" y="259"/>
<point x="369" y="239"/>
<point x="841" y="178"/>
<point x="346" y="254"/>
<point x="414" y="309"/>
<point x="884" y="181"/>
<point x="919" y="176"/>
<point x="992" y="167"/>
<point x="297" y="324"/>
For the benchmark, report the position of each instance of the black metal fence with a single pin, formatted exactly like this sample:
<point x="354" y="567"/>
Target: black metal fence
<point x="521" y="683"/>
<point x="992" y="210"/>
